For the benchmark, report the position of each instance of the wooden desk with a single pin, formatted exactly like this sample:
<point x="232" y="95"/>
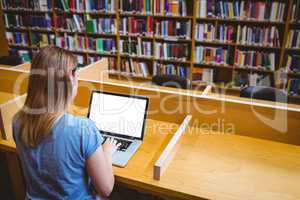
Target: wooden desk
<point x="5" y="96"/>
<point x="214" y="166"/>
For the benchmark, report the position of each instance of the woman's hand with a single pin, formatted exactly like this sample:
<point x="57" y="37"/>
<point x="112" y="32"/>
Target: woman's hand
<point x="110" y="146"/>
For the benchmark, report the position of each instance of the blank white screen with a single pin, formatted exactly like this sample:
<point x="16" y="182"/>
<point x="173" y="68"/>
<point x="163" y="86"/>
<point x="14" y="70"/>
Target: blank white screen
<point x="118" y="114"/>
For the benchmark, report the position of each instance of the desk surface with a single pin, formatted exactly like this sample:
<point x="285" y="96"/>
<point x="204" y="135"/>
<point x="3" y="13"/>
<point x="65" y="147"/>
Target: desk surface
<point x="217" y="167"/>
<point x="214" y="166"/>
<point x="5" y="96"/>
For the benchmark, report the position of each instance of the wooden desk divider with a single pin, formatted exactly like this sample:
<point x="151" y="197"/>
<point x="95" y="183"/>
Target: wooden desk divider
<point x="165" y="158"/>
<point x="7" y="112"/>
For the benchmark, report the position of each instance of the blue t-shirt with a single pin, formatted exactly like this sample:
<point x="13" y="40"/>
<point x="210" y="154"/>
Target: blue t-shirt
<point x="55" y="169"/>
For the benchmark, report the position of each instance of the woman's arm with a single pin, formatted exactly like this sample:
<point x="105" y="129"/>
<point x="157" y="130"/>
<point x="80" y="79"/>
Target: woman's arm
<point x="99" y="168"/>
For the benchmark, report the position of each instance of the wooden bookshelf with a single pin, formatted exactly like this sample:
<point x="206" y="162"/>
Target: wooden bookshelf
<point x="192" y="16"/>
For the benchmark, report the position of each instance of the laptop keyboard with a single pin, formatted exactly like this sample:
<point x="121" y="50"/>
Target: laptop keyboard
<point x="124" y="143"/>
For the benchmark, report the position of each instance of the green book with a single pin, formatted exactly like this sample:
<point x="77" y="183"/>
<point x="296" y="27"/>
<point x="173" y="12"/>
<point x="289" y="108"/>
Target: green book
<point x="65" y="4"/>
<point x="99" y="45"/>
<point x="90" y="27"/>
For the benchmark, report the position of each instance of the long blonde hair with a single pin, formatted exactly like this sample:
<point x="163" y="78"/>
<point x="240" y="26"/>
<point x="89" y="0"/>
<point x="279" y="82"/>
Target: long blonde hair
<point x="50" y="91"/>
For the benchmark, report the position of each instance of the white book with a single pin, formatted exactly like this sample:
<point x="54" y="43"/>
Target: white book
<point x="203" y="8"/>
<point x="253" y="79"/>
<point x="144" y="69"/>
<point x="207" y="75"/>
<point x="242" y="14"/>
<point x="165" y="50"/>
<point x="272" y="61"/>
<point x="139" y="46"/>
<point x="43" y="5"/>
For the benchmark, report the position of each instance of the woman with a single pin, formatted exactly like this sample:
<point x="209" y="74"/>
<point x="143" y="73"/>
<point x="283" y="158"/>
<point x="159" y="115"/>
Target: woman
<point x="62" y="156"/>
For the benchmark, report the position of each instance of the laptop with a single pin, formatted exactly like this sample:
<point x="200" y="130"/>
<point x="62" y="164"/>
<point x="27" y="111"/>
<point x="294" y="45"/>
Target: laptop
<point x="121" y="117"/>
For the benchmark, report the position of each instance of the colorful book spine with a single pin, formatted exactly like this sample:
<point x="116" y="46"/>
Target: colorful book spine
<point x="211" y="55"/>
<point x="293" y="63"/>
<point x="70" y="24"/>
<point x="205" y="32"/>
<point x="42" y="40"/>
<point x="255" y="59"/>
<point x="173" y="29"/>
<point x="296" y="11"/>
<point x="136" y="6"/>
<point x="257" y="10"/>
<point x="17" y="38"/>
<point x="102" y="5"/>
<point x="170" y="7"/>
<point x="261" y="36"/>
<point x="135" y="68"/>
<point x="101" y="25"/>
<point x="37" y="21"/>
<point x="293" y="40"/>
<point x="136" y="47"/>
<point x="136" y="26"/>
<point x="171" y="51"/>
<point x="171" y="69"/>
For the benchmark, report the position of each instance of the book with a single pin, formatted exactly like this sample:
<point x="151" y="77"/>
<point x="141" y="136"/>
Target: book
<point x="173" y="29"/>
<point x="170" y="69"/>
<point x="255" y="59"/>
<point x="171" y="51"/>
<point x="170" y="7"/>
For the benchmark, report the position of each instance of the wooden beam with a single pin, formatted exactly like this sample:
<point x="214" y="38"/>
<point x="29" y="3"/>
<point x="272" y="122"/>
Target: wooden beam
<point x="162" y="163"/>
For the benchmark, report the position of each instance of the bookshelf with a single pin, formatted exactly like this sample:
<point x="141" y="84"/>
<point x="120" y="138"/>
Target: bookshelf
<point x="229" y="44"/>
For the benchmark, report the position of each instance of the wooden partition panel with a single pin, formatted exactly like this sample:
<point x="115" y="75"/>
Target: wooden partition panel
<point x="211" y="114"/>
<point x="13" y="80"/>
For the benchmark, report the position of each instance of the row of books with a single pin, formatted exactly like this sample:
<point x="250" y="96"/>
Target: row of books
<point x="101" y="25"/>
<point x="211" y="55"/>
<point x="203" y="75"/>
<point x="135" y="68"/>
<point x="17" y="38"/>
<point x="23" y="54"/>
<point x="171" y="51"/>
<point x="43" y="5"/>
<point x="244" y="79"/>
<point x="75" y="23"/>
<point x="136" y="26"/>
<point x="99" y="5"/>
<point x="41" y="39"/>
<point x="170" y="69"/>
<point x="136" y="47"/>
<point x="292" y="87"/>
<point x="208" y="32"/>
<point x="293" y="63"/>
<point x="80" y="43"/>
<point x="171" y="28"/>
<point x="266" y="36"/>
<point x="293" y="40"/>
<point x="255" y="59"/>
<point x="296" y="11"/>
<point x="258" y="10"/>
<point x="170" y="7"/>
<point x="38" y="21"/>
<point x="136" y="6"/>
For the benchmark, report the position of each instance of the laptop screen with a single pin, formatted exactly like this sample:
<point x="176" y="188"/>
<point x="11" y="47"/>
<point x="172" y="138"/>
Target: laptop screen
<point x="118" y="114"/>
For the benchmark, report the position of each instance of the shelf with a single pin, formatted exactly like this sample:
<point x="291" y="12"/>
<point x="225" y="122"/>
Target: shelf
<point x="123" y="55"/>
<point x="252" y="69"/>
<point x="19" y="46"/>
<point x="215" y="43"/>
<point x="212" y="65"/>
<point x="240" y="21"/>
<point x="172" y="17"/>
<point x="169" y="61"/>
<point x="129" y="14"/>
<point x="293" y="49"/>
<point x="128" y="75"/>
<point x="257" y="47"/>
<point x="26" y="10"/>
<point x="137" y="36"/>
<point x="173" y="39"/>
<point x="14" y="28"/>
<point x="41" y="30"/>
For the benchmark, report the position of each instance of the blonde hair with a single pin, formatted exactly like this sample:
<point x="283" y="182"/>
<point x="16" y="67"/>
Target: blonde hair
<point x="50" y="91"/>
